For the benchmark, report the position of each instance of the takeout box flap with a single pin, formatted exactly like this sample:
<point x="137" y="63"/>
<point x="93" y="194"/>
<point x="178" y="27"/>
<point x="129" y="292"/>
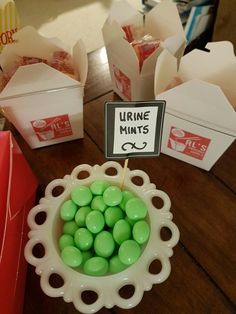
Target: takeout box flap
<point x="150" y="62"/>
<point x="175" y="45"/>
<point x="165" y="71"/>
<point x="207" y="64"/>
<point x="202" y="103"/>
<point x="28" y="42"/>
<point x="218" y="66"/>
<point x="118" y="45"/>
<point x="112" y="32"/>
<point x="163" y="21"/>
<point x="80" y="61"/>
<point x="35" y="78"/>
<point x="124" y="13"/>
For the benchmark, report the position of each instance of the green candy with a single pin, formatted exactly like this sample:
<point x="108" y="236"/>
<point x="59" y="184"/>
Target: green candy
<point x="81" y="195"/>
<point x="112" y="215"/>
<point x="70" y="227"/>
<point x="127" y="195"/>
<point x="141" y="231"/>
<point x="83" y="239"/>
<point x="96" y="266"/>
<point x="65" y="240"/>
<point x="115" y="265"/>
<point x="86" y="255"/>
<point x="130" y="221"/>
<point x="136" y="209"/>
<point x="129" y="252"/>
<point x="68" y="210"/>
<point x="81" y="215"/>
<point x="112" y="196"/>
<point x="95" y="221"/>
<point x="71" y="256"/>
<point x="98" y="203"/>
<point x="98" y="187"/>
<point x="104" y="244"/>
<point x="121" y="231"/>
<point x="86" y="245"/>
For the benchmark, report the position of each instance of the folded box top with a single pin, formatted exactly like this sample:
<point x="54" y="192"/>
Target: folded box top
<point x="34" y="78"/>
<point x="202" y="103"/>
<point x="206" y="93"/>
<point x="161" y="22"/>
<point x="216" y="66"/>
<point x="30" y="44"/>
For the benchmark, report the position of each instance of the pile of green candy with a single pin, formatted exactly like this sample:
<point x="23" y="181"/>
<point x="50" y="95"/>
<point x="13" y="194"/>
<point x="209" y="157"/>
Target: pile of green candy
<point x="104" y="229"/>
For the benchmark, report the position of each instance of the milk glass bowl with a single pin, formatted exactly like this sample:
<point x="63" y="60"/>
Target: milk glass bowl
<point x="107" y="289"/>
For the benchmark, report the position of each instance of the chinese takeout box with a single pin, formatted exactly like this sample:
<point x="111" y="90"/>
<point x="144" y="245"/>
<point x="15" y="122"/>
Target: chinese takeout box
<point x="43" y="103"/>
<point x="200" y="120"/>
<point x="129" y="80"/>
<point x="17" y="196"/>
<point x="9" y="22"/>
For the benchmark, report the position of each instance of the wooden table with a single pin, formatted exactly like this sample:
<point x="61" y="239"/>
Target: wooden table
<point x="203" y="276"/>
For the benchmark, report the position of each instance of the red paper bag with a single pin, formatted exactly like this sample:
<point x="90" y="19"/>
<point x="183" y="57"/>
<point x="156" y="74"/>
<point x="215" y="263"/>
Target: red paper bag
<point x="17" y="196"/>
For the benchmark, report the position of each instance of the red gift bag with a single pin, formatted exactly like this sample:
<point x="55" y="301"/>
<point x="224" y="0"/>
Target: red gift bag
<point x="17" y="197"/>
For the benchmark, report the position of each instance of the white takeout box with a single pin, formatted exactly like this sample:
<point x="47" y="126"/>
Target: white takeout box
<point x="162" y="22"/>
<point x="44" y="104"/>
<point x="200" y="120"/>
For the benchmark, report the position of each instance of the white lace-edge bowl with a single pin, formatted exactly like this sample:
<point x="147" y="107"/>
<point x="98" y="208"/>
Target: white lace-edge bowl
<point x="106" y="288"/>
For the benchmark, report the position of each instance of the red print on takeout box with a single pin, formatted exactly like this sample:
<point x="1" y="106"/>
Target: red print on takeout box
<point x="132" y="64"/>
<point x="200" y="119"/>
<point x="44" y="96"/>
<point x="188" y="143"/>
<point x="17" y="196"/>
<point x="53" y="127"/>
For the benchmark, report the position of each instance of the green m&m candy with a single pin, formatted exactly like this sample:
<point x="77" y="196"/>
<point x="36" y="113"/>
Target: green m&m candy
<point x="104" y="244"/>
<point x="121" y="231"/>
<point x="98" y="203"/>
<point x="112" y="215"/>
<point x="112" y="196"/>
<point x="81" y="195"/>
<point x="98" y="187"/>
<point x="83" y="239"/>
<point x="68" y="210"/>
<point x="86" y="255"/>
<point x="130" y="221"/>
<point x="127" y="195"/>
<point x="70" y="227"/>
<point x="65" y="240"/>
<point x="96" y="266"/>
<point x="81" y="215"/>
<point x="95" y="221"/>
<point x="141" y="231"/>
<point x="136" y="209"/>
<point x="71" y="256"/>
<point x="129" y="252"/>
<point x="115" y="265"/>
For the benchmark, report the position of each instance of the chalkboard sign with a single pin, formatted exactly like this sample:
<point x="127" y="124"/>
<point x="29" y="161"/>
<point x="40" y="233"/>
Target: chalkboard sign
<point x="133" y="128"/>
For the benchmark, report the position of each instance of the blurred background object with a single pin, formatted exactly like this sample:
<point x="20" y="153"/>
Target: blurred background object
<point x="69" y="20"/>
<point x="197" y="17"/>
